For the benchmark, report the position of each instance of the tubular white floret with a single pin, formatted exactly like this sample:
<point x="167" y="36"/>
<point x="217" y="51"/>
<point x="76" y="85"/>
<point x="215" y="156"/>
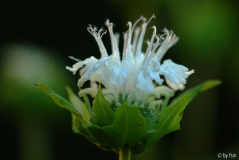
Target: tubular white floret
<point x="141" y="106"/>
<point x="118" y="104"/>
<point x="148" y="95"/>
<point x="164" y="90"/>
<point x="140" y="41"/>
<point x="98" y="37"/>
<point x="175" y="86"/>
<point x="109" y="100"/>
<point x="151" y="107"/>
<point x="112" y="94"/>
<point x="158" y="103"/>
<point x="117" y="38"/>
<point x="93" y="84"/>
<point x="130" y="35"/>
<point x="90" y="91"/>
<point x="132" y="96"/>
<point x="136" y="36"/>
<point x="115" y="50"/>
<point x="136" y="22"/>
<point x="136" y="104"/>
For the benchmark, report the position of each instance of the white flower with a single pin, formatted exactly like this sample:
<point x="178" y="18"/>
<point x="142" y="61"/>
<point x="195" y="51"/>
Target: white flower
<point x="132" y="76"/>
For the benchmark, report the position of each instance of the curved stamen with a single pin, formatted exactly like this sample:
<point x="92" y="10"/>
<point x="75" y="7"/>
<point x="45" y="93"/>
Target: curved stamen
<point x="153" y="16"/>
<point x="137" y="21"/>
<point x="140" y="42"/>
<point x="168" y="42"/>
<point x="75" y="59"/>
<point x="148" y="52"/>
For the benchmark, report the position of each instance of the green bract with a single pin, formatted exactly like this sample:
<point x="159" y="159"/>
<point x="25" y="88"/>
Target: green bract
<point x="116" y="126"/>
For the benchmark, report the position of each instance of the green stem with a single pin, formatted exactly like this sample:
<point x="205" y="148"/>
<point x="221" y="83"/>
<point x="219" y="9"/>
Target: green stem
<point x="124" y="153"/>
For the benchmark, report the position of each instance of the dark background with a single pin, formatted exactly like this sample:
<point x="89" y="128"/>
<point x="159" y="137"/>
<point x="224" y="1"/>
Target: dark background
<point x="36" y="38"/>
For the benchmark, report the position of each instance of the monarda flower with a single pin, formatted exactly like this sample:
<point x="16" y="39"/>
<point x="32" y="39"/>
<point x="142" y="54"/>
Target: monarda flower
<point x="130" y="110"/>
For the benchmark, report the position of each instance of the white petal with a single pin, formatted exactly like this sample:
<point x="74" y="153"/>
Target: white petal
<point x="93" y="66"/>
<point x="153" y="69"/>
<point x="118" y="75"/>
<point x="97" y="71"/>
<point x="174" y="72"/>
<point x="144" y="82"/>
<point x="78" y="65"/>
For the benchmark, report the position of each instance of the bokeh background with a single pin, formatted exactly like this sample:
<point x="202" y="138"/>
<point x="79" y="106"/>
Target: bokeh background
<point x="36" y="38"/>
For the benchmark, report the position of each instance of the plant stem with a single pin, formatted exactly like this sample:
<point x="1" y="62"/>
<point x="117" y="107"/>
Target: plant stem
<point x="124" y="153"/>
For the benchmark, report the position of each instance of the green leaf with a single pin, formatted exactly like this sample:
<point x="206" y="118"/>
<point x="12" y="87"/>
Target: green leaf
<point x="95" y="137"/>
<point x="129" y="127"/>
<point x="168" y="121"/>
<point x="88" y="107"/>
<point x="60" y="101"/>
<point x="78" y="105"/>
<point x="102" y="112"/>
<point x="78" y="126"/>
<point x="195" y="90"/>
<point x="92" y="132"/>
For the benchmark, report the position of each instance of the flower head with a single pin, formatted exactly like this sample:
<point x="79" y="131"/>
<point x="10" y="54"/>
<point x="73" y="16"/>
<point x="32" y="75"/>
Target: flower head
<point x="132" y="110"/>
<point x="133" y="74"/>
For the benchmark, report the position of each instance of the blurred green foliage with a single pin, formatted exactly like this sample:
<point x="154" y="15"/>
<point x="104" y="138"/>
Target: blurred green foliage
<point x="23" y="65"/>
